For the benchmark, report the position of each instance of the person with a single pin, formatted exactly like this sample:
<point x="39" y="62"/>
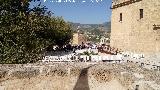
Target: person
<point x="74" y="50"/>
<point x="89" y="50"/>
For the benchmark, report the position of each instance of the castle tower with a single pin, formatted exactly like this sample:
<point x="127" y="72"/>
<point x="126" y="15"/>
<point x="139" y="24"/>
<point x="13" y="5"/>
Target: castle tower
<point x="135" y="25"/>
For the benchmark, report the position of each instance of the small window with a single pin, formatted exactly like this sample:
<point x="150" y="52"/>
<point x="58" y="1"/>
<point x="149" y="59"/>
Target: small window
<point x="120" y="17"/>
<point x="141" y="13"/>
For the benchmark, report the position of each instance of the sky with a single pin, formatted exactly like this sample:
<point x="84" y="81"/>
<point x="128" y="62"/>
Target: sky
<point x="80" y="11"/>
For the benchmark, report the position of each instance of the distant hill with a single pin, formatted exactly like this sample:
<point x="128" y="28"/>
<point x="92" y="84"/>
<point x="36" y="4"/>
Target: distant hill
<point x="106" y="26"/>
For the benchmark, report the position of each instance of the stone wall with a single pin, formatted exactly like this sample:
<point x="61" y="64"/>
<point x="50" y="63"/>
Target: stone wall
<point x="135" y="34"/>
<point x="77" y="76"/>
<point x="78" y="39"/>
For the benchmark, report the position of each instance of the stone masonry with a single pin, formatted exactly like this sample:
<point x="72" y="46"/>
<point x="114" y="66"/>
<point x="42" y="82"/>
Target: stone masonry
<point x="78" y="76"/>
<point x="134" y="33"/>
<point x="78" y="38"/>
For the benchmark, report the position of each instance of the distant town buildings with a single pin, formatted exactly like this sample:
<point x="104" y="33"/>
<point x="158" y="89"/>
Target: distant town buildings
<point x="104" y="40"/>
<point x="135" y="25"/>
<point x="79" y="39"/>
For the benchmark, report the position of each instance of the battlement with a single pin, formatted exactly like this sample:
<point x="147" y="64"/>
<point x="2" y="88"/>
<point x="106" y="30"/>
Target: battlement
<point x="120" y="3"/>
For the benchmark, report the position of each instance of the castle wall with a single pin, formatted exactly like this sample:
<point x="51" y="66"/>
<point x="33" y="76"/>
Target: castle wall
<point x="77" y="76"/>
<point x="135" y="34"/>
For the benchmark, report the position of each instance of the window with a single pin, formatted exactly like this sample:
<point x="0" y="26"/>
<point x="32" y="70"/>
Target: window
<point x="141" y="13"/>
<point x="120" y="17"/>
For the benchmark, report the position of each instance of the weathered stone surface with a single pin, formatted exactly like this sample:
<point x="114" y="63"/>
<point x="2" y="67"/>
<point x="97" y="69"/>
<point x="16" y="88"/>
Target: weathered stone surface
<point x="27" y="73"/>
<point x="103" y="75"/>
<point x="78" y="76"/>
<point x="133" y="33"/>
<point x="3" y="74"/>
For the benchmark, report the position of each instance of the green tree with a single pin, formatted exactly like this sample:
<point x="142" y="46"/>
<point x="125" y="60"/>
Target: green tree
<point x="64" y="32"/>
<point x="25" y="33"/>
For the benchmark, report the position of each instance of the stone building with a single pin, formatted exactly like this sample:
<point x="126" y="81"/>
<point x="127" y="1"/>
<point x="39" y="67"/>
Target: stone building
<point x="135" y="25"/>
<point x="78" y="39"/>
<point x="104" y="40"/>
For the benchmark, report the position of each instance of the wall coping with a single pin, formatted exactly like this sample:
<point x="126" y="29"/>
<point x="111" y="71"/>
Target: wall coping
<point x="124" y="3"/>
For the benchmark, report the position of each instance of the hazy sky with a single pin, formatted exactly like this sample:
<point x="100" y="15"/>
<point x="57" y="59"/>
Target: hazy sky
<point x="87" y="12"/>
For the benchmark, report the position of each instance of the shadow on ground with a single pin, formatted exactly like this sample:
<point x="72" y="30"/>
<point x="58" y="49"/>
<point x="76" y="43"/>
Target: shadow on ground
<point x="82" y="82"/>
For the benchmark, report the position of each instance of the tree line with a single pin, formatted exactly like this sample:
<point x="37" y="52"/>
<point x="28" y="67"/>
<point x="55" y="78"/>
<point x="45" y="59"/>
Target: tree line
<point x="26" y="32"/>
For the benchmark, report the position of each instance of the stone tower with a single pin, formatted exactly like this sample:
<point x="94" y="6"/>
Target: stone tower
<point x="135" y="25"/>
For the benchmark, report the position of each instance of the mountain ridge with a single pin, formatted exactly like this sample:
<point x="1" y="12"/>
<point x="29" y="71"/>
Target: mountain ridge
<point x="106" y="26"/>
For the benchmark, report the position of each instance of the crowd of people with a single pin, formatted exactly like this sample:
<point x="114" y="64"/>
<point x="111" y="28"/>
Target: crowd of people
<point x="108" y="50"/>
<point x="101" y="48"/>
<point x="82" y="52"/>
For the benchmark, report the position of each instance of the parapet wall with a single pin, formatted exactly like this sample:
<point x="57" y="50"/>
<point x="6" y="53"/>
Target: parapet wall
<point x="76" y="76"/>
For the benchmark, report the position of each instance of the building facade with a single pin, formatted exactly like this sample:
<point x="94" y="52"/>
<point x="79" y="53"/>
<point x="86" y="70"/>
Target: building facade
<point x="135" y="25"/>
<point x="78" y="39"/>
<point x="104" y="40"/>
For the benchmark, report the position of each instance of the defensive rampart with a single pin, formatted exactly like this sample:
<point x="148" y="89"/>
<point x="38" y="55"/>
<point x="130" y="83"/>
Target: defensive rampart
<point x="77" y="76"/>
